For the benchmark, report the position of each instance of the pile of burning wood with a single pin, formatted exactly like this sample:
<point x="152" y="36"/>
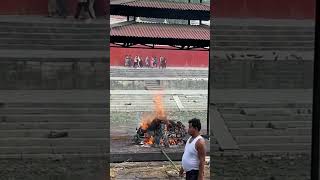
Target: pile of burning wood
<point x="159" y="132"/>
<point x="155" y="129"/>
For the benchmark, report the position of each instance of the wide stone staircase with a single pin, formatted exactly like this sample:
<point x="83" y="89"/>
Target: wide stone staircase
<point x="48" y="129"/>
<point x="144" y="102"/>
<point x="53" y="35"/>
<point x="48" y="53"/>
<point x="279" y="35"/>
<point x="152" y="73"/>
<point x="283" y="128"/>
<point x="41" y="58"/>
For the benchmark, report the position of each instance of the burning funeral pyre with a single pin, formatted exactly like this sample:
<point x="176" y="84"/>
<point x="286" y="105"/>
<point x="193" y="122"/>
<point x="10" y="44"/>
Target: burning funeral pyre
<point x="155" y="129"/>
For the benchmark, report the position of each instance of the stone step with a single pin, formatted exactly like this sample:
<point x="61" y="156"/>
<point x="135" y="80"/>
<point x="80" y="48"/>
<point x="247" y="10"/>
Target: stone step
<point x="19" y="35"/>
<point x="229" y="32"/>
<point x="20" y="118"/>
<point x="142" y="109"/>
<point x="69" y="24"/>
<point x="303" y="147"/>
<point x="269" y="111"/>
<point x="230" y="111"/>
<point x="258" y="38"/>
<point x="277" y="124"/>
<point x="52" y="150"/>
<point x="53" y="29"/>
<point x="297" y="105"/>
<point x="58" y="142"/>
<point x="36" y="60"/>
<point x="270" y="132"/>
<point x="42" y="133"/>
<point x="264" y="28"/>
<point x="239" y="117"/>
<point x="265" y="43"/>
<point x="51" y="125"/>
<point x="51" y="105"/>
<point x="53" y="41"/>
<point x="272" y="139"/>
<point x="52" y="47"/>
<point x="261" y="48"/>
<point x="4" y="111"/>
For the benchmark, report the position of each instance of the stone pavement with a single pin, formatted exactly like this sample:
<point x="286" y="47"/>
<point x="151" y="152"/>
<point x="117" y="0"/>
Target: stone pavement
<point x="250" y="96"/>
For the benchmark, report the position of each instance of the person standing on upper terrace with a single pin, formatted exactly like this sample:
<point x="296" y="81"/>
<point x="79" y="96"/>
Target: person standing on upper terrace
<point x="91" y="8"/>
<point x="193" y="158"/>
<point x="62" y="8"/>
<point x="83" y="4"/>
<point x="147" y="62"/>
<point x="52" y="8"/>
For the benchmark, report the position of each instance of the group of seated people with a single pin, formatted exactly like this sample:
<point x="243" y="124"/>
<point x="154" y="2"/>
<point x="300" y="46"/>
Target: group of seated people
<point x="149" y="62"/>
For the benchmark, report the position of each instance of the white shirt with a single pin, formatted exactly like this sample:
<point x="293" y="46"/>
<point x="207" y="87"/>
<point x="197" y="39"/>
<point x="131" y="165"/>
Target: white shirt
<point x="190" y="158"/>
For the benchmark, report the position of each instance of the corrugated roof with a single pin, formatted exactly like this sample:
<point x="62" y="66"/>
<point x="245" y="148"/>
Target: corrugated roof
<point x="155" y="30"/>
<point x="166" y="5"/>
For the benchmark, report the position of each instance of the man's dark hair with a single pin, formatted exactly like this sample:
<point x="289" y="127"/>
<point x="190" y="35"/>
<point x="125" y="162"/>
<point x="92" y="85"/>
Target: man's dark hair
<point x="195" y="123"/>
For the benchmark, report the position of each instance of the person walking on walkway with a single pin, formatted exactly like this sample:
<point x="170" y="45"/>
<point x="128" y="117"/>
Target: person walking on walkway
<point x="52" y="8"/>
<point x="62" y="8"/>
<point x="193" y="158"/>
<point x="83" y="4"/>
<point x="91" y="8"/>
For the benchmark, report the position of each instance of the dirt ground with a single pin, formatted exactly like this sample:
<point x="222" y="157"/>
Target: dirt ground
<point x="148" y="171"/>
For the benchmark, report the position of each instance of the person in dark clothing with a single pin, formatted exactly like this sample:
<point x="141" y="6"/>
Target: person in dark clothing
<point x="62" y="8"/>
<point x="135" y="62"/>
<point x="155" y="62"/>
<point x="83" y="4"/>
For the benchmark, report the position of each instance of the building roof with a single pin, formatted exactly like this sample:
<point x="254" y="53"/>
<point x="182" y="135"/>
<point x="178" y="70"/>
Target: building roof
<point x="155" y="30"/>
<point x="160" y="9"/>
<point x="167" y="5"/>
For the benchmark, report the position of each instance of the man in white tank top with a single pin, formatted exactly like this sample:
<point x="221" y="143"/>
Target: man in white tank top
<point x="193" y="158"/>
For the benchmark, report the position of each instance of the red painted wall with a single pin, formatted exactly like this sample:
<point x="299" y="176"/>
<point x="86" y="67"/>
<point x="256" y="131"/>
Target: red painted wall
<point x="276" y="9"/>
<point x="175" y="58"/>
<point x="273" y="9"/>
<point x="40" y="7"/>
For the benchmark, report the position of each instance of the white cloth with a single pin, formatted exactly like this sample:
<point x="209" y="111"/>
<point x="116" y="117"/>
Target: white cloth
<point x="190" y="158"/>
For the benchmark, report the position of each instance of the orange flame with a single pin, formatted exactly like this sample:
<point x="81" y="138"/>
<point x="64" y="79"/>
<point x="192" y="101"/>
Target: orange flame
<point x="147" y="118"/>
<point x="159" y="107"/>
<point x="149" y="140"/>
<point x="159" y="113"/>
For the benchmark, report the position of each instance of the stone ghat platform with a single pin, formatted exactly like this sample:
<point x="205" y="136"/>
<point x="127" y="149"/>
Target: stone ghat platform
<point x="122" y="150"/>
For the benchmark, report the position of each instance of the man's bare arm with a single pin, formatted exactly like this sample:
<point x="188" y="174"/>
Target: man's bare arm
<point x="201" y="148"/>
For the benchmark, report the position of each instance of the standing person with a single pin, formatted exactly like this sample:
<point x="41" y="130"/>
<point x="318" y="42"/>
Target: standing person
<point x="152" y="62"/>
<point x="91" y="8"/>
<point x="155" y="62"/>
<point x="139" y="62"/>
<point x="161" y="62"/>
<point x="127" y="61"/>
<point x="193" y="158"/>
<point x="85" y="5"/>
<point x="165" y="62"/>
<point x="130" y="61"/>
<point x="62" y="8"/>
<point x="52" y="8"/>
<point x="147" y="62"/>
<point x="135" y="62"/>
